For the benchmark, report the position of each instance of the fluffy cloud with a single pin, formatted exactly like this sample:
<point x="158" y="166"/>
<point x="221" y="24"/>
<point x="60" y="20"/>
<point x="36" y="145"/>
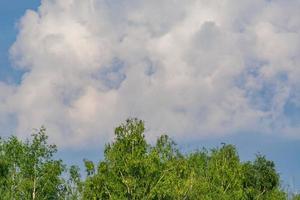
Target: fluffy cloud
<point x="193" y="68"/>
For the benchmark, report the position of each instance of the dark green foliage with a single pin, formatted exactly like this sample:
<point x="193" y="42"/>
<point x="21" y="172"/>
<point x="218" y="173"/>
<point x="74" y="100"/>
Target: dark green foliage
<point x="261" y="178"/>
<point x="132" y="169"/>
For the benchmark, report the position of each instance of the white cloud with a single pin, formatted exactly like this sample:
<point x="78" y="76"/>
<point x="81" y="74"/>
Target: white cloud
<point x="191" y="68"/>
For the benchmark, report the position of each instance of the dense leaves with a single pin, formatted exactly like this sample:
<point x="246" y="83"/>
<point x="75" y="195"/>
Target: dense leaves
<point x="28" y="170"/>
<point x="133" y="169"/>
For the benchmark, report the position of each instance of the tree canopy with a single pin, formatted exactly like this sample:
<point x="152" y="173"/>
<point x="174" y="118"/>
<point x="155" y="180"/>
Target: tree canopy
<point x="133" y="169"/>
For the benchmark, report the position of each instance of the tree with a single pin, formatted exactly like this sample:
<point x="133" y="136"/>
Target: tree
<point x="133" y="169"/>
<point x="29" y="170"/>
<point x="261" y="179"/>
<point x="121" y="173"/>
<point x="225" y="173"/>
<point x="296" y="197"/>
<point x="74" y="184"/>
<point x="12" y="153"/>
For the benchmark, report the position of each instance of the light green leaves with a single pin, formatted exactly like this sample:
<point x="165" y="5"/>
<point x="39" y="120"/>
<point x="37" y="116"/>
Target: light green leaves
<point x="133" y="169"/>
<point x="28" y="168"/>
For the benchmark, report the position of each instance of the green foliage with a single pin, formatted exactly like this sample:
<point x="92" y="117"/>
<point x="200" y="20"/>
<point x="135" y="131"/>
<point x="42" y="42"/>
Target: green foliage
<point x="28" y="170"/>
<point x="296" y="197"/>
<point x="121" y="174"/>
<point x="73" y="185"/>
<point x="133" y="169"/>
<point x="261" y="179"/>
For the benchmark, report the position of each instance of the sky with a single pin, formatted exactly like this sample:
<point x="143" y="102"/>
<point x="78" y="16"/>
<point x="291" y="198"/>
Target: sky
<point x="203" y="72"/>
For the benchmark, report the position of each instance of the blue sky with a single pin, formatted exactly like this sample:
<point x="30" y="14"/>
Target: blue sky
<point x="93" y="72"/>
<point x="11" y="12"/>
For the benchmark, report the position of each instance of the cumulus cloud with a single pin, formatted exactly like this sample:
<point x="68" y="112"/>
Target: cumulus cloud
<point x="191" y="69"/>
